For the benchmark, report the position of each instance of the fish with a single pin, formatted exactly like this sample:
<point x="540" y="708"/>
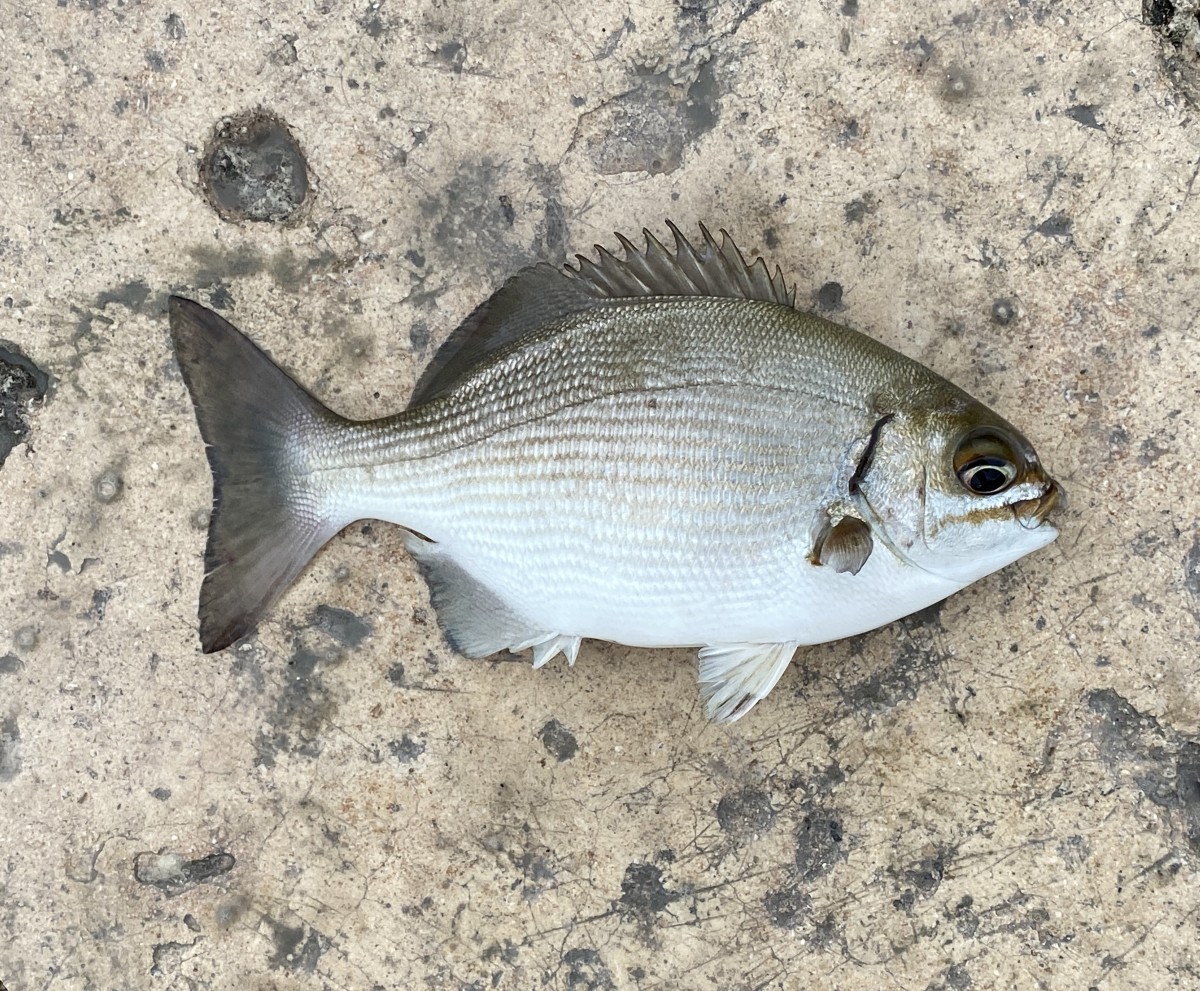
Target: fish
<point x="656" y="449"/>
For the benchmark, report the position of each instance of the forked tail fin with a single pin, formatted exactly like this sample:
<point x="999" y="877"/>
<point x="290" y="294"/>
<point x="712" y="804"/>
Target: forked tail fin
<point x="268" y="519"/>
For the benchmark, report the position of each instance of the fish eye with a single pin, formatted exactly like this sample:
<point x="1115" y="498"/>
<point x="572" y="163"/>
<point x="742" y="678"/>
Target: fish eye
<point x="987" y="476"/>
<point x="986" y="463"/>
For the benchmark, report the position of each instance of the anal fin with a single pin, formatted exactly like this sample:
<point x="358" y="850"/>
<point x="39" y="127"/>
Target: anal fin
<point x="474" y="620"/>
<point x="735" y="677"/>
<point x="558" y="643"/>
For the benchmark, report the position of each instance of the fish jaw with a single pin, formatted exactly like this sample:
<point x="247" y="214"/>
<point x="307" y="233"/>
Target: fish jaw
<point x="1034" y="513"/>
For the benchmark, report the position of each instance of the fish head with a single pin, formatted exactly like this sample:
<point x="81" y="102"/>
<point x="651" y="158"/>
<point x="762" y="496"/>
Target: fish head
<point x="957" y="491"/>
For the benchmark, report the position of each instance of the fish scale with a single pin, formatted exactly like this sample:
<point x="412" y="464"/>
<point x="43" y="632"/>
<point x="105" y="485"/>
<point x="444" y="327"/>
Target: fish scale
<point x="591" y="356"/>
<point x="657" y="450"/>
<point x="698" y="573"/>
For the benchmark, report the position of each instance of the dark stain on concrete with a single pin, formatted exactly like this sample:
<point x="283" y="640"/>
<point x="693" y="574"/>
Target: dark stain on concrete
<point x="468" y="212"/>
<point x="172" y="874"/>
<point x="1164" y="764"/>
<point x="787" y="906"/>
<point x="954" y="978"/>
<point x="216" y="267"/>
<point x="132" y="295"/>
<point x="22" y="387"/>
<point x="746" y="812"/>
<point x="828" y="298"/>
<point x="373" y="24"/>
<point x="537" y="872"/>
<point x="552" y="232"/>
<point x="220" y="297"/>
<point x="1085" y="114"/>
<point x="1057" y="225"/>
<point x="419" y="335"/>
<point x="407" y="749"/>
<point x="297" y="948"/>
<point x="915" y="663"/>
<point x="820" y="843"/>
<point x="643" y="894"/>
<point x="1187" y="790"/>
<point x="1191" y="573"/>
<point x="100" y="600"/>
<point x="558" y="740"/>
<point x="958" y="84"/>
<point x="451" y="55"/>
<point x="1004" y="311"/>
<point x="922" y="878"/>
<point x="1074" y="851"/>
<point x="506" y="210"/>
<point x="586" y="971"/>
<point x="10" y="748"/>
<point x="856" y="211"/>
<point x="166" y="958"/>
<point x="254" y="169"/>
<point x="341" y="625"/>
<point x="302" y="708"/>
<point x="650" y="126"/>
<point x="1177" y="25"/>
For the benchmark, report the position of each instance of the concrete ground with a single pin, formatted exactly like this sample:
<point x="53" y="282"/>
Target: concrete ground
<point x="1003" y="792"/>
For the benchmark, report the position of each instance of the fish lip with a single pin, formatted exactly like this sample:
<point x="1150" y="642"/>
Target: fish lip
<point x="1032" y="513"/>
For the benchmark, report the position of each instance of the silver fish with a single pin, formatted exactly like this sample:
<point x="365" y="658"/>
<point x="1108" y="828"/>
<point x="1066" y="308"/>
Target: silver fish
<point x="657" y="450"/>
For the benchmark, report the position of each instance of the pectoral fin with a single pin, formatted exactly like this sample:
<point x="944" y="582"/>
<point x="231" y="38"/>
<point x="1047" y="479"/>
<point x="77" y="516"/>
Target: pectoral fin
<point x="844" y="546"/>
<point x="735" y="677"/>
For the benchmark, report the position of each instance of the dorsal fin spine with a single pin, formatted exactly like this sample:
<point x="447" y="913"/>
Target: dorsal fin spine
<point x="717" y="269"/>
<point x="686" y="258"/>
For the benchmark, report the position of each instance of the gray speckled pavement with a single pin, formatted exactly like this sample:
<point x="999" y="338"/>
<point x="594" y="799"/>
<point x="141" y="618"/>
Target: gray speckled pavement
<point x="1003" y="792"/>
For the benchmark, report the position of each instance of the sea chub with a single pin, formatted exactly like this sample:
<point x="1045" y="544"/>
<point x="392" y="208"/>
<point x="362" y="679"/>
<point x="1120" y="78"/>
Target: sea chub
<point x="656" y="449"/>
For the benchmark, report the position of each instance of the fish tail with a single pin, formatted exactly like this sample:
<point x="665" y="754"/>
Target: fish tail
<point x="269" y="517"/>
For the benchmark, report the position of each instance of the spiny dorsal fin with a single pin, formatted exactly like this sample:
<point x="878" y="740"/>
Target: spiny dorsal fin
<point x="713" y="270"/>
<point x="529" y="300"/>
<point x="538" y="295"/>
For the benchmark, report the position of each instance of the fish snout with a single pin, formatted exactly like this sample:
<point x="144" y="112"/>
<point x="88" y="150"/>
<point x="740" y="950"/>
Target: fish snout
<point x="1033" y="513"/>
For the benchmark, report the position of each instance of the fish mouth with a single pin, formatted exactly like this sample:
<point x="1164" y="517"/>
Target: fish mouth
<point x="1032" y="513"/>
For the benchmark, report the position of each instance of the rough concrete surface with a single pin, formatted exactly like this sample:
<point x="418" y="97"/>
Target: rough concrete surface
<point x="1003" y="792"/>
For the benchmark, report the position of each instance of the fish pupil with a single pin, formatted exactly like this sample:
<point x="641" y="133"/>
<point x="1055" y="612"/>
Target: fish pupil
<point x="987" y="476"/>
<point x="987" y="479"/>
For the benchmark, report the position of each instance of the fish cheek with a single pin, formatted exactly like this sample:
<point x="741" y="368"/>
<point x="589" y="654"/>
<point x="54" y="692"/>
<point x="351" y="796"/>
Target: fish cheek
<point x="892" y="494"/>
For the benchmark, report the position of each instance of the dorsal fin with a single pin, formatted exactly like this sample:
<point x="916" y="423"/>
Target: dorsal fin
<point x="713" y="270"/>
<point x="529" y="300"/>
<point x="538" y="295"/>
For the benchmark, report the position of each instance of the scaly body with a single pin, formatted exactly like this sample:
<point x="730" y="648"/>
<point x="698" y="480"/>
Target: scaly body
<point x="608" y="456"/>
<point x="605" y="494"/>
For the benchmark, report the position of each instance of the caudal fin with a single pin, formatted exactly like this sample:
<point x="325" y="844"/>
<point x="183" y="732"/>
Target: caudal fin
<point x="267" y="518"/>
